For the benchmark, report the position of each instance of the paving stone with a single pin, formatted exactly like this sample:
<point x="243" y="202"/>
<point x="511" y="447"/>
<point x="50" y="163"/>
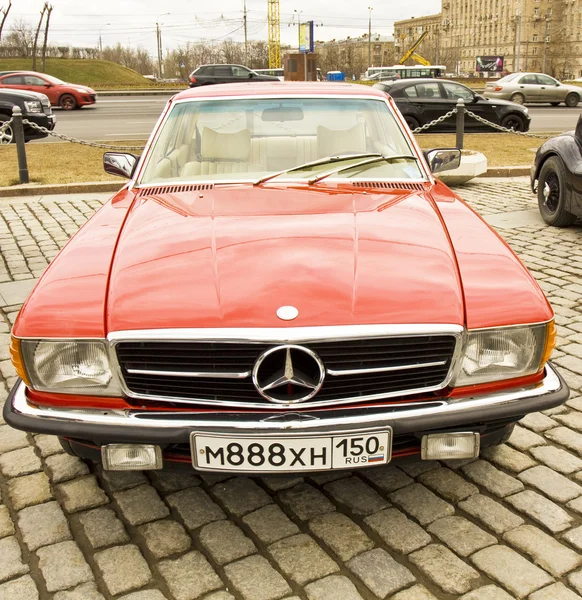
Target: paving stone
<point x="557" y="591"/>
<point x="164" y="538"/>
<point x="63" y="566"/>
<point x="85" y="591"/>
<point x="123" y="480"/>
<point x="172" y="482"/>
<point x="574" y="537"/>
<point x="523" y="439"/>
<point x="493" y="480"/>
<point x="398" y="531"/>
<point x="64" y="467"/>
<point x="305" y="501"/>
<point x="327" y="476"/>
<point x="541" y="510"/>
<point x="225" y="542"/>
<point x="545" y="551"/>
<point x="20" y="462"/>
<point x="190" y="576"/>
<point x="575" y="580"/>
<point x="491" y="513"/>
<point x="301" y="559"/>
<point x="12" y="439"/>
<point x="557" y="459"/>
<point x="43" y="525"/>
<point x="416" y="468"/>
<point x="48" y="445"/>
<point x="141" y="505"/>
<point x="11" y="563"/>
<point x="81" y="494"/>
<point x="488" y="592"/>
<point x="567" y="438"/>
<point x="241" y="495"/>
<point x="380" y="572"/>
<point x="538" y="422"/>
<point x="444" y="569"/>
<point x="334" y="587"/>
<point x="511" y="570"/>
<point x="388" y="479"/>
<point x="421" y="503"/>
<point x="359" y="497"/>
<point x="270" y="524"/>
<point x="508" y="458"/>
<point x="22" y="588"/>
<point x="6" y="524"/>
<point x="448" y="484"/>
<point x="573" y="420"/>
<point x="29" y="490"/>
<point x="195" y="507"/>
<point x="575" y="505"/>
<point x="134" y="573"/>
<point x="461" y="535"/>
<point x="552" y="484"/>
<point x="103" y="528"/>
<point x="157" y="595"/>
<point x="255" y="579"/>
<point x="416" y="592"/>
<point x="341" y="534"/>
<point x="276" y="483"/>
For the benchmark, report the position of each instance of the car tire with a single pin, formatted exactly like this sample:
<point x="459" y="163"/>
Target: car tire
<point x="552" y="193"/>
<point x="7" y="137"/>
<point x="67" y="102"/>
<point x="411" y="122"/>
<point x="518" y="98"/>
<point x="513" y="121"/>
<point x="572" y="99"/>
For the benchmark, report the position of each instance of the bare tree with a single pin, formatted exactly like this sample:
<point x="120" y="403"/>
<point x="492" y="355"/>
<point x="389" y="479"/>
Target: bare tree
<point x="4" y="12"/>
<point x="42" y="12"/>
<point x="21" y="38"/>
<point x="49" y="10"/>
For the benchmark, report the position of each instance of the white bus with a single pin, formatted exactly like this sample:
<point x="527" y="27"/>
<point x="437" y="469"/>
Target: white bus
<point x="274" y="72"/>
<point x="404" y="72"/>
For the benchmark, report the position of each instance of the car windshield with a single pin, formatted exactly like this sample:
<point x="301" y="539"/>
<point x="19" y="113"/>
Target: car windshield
<point x="253" y="138"/>
<point x="510" y="77"/>
<point x="52" y="79"/>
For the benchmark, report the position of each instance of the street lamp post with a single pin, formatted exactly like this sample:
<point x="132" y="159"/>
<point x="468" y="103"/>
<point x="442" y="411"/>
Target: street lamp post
<point x="298" y="15"/>
<point x="370" y="9"/>
<point x="100" y="42"/>
<point x="159" y="44"/>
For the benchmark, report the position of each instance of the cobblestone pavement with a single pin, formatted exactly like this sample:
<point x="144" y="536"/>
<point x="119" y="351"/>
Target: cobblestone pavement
<point x="508" y="525"/>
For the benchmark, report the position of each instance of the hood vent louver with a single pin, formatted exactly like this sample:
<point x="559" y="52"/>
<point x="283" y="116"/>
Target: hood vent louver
<point x="174" y="189"/>
<point x="389" y="185"/>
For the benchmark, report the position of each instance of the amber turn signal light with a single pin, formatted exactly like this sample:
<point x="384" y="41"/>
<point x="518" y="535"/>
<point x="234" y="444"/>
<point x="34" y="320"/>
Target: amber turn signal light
<point x="550" y="342"/>
<point x="16" y="357"/>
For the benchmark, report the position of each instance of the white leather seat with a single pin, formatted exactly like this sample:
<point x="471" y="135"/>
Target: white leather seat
<point x="332" y="142"/>
<point x="276" y="153"/>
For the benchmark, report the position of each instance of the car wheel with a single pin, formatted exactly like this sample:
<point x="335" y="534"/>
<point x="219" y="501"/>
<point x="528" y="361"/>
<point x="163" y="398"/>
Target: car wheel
<point x="411" y="122"/>
<point x="518" y="98"/>
<point x="552" y="193"/>
<point x="572" y="99"/>
<point x="514" y="122"/>
<point x="67" y="102"/>
<point x="7" y="135"/>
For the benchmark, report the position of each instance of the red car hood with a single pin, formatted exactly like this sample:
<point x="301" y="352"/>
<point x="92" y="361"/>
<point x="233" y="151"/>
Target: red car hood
<point x="231" y="256"/>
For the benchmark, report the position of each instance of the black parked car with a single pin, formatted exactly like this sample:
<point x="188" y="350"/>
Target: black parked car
<point x="423" y="100"/>
<point x="556" y="177"/>
<point x="207" y="74"/>
<point x="35" y="107"/>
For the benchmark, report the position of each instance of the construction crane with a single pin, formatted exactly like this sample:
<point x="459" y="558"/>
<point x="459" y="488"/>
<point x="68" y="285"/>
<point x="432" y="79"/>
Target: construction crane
<point x="412" y="54"/>
<point x="274" y="22"/>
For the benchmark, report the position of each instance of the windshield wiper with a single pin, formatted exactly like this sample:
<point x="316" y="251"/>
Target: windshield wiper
<point x="369" y="161"/>
<point x="321" y="161"/>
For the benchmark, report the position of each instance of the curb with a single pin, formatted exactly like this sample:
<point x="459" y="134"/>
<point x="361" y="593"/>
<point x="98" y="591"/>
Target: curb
<point x="519" y="171"/>
<point x="58" y="188"/>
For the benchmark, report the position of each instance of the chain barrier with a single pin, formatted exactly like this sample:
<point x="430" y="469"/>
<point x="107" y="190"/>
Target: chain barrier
<point x="505" y="129"/>
<point x="436" y="121"/>
<point x="67" y="138"/>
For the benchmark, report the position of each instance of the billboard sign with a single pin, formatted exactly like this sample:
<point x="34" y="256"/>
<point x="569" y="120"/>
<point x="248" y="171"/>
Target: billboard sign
<point x="306" y="37"/>
<point x="492" y="64"/>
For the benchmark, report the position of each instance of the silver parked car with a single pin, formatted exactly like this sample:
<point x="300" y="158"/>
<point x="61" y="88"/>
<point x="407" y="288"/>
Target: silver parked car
<point x="533" y="87"/>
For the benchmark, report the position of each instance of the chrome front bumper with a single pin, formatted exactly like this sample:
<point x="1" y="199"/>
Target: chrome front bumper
<point x="168" y="428"/>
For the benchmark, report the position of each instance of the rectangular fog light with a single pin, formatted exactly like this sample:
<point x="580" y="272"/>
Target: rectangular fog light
<point x="131" y="457"/>
<point x="448" y="446"/>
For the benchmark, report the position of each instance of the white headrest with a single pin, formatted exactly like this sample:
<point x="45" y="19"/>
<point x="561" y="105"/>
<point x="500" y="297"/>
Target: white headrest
<point x="331" y="142"/>
<point x="225" y="146"/>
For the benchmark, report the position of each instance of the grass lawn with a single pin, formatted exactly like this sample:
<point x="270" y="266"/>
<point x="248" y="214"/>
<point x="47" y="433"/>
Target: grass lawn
<point x="70" y="163"/>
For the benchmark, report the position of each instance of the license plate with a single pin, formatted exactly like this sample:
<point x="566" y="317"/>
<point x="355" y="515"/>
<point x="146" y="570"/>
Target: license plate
<point x="290" y="453"/>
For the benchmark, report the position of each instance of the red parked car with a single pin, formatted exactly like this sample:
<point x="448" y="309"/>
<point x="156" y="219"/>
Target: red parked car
<point x="66" y="95"/>
<point x="282" y="286"/>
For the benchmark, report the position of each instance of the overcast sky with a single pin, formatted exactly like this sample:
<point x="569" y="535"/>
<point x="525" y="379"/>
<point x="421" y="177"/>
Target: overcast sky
<point x="133" y="23"/>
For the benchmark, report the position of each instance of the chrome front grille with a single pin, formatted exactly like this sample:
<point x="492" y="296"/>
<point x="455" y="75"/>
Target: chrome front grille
<point x="220" y="372"/>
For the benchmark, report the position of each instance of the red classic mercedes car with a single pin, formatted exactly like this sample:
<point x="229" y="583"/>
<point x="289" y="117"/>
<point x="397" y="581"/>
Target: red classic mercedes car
<point x="282" y="286"/>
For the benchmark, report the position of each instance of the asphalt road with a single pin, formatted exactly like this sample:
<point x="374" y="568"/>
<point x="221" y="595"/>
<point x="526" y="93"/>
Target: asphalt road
<point x="132" y="118"/>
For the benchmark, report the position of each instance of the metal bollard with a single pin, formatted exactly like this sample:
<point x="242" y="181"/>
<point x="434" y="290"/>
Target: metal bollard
<point x="460" y="123"/>
<point x="18" y="129"/>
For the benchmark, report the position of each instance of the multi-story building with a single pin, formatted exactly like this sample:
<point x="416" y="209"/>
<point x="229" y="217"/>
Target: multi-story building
<point x="530" y="35"/>
<point x="351" y="55"/>
<point x="408" y="31"/>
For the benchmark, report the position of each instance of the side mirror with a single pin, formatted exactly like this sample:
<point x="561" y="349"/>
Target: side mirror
<point x="120" y="164"/>
<point x="251" y="75"/>
<point x="443" y="159"/>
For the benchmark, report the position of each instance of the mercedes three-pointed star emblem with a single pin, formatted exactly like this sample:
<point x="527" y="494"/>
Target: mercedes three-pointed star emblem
<point x="288" y="374"/>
